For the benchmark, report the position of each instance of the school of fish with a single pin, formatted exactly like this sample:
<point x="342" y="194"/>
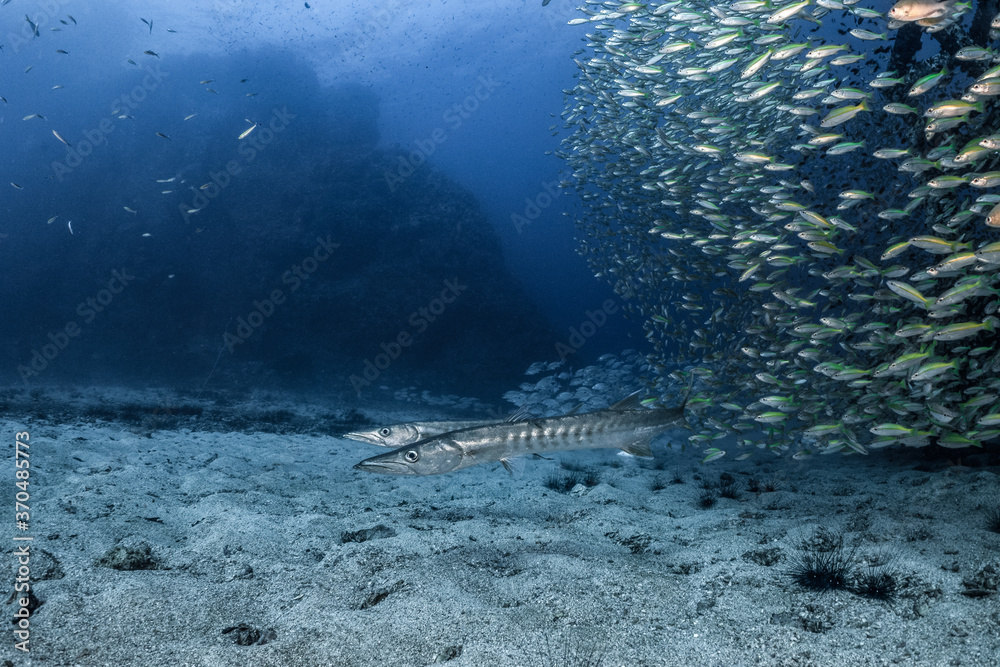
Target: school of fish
<point x="801" y="210"/>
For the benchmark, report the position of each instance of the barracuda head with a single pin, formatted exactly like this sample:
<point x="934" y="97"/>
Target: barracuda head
<point x="386" y="436"/>
<point x="427" y="457"/>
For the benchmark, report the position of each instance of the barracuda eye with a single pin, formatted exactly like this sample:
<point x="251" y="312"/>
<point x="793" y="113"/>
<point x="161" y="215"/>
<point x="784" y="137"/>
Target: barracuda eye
<point x="411" y="456"/>
<point x="384" y="432"/>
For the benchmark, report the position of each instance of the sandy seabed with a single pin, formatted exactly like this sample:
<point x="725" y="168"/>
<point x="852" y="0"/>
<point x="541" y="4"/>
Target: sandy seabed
<point x="207" y="540"/>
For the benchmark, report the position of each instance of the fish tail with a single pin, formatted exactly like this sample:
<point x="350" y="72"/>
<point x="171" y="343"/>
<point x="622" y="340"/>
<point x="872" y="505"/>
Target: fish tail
<point x="687" y="394"/>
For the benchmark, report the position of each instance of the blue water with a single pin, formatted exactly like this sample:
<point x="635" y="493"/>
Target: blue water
<point x="393" y="148"/>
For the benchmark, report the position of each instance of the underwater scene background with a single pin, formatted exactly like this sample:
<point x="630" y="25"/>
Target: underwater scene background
<point x="703" y="295"/>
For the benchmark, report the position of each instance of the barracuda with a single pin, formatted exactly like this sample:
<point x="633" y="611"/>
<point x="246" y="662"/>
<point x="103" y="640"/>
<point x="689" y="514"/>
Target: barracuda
<point x="400" y="435"/>
<point x="626" y="426"/>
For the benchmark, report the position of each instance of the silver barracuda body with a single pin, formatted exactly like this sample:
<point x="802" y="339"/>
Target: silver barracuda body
<point x="626" y="426"/>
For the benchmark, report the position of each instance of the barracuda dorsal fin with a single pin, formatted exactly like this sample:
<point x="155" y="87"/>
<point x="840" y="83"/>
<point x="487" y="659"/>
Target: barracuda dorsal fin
<point x="639" y="448"/>
<point x="523" y="414"/>
<point x="518" y="415"/>
<point x="630" y="402"/>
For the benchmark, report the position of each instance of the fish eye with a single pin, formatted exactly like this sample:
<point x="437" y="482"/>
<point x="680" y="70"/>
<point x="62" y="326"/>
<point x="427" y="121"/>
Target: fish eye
<point x="411" y="456"/>
<point x="384" y="432"/>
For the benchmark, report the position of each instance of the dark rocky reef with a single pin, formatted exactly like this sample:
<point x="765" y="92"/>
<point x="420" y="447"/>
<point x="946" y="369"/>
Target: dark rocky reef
<point x="317" y="214"/>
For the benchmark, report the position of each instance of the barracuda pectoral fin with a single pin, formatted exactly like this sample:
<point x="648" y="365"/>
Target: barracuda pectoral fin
<point x="639" y="448"/>
<point x="515" y="466"/>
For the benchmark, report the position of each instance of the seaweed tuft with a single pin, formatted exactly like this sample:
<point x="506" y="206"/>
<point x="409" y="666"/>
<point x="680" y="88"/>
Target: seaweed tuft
<point x="823" y="563"/>
<point x="993" y="519"/>
<point x="877" y="582"/>
<point x="727" y="487"/>
<point x="565" y="483"/>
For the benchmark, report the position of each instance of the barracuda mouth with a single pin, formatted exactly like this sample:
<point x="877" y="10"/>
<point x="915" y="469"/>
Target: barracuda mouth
<point x="363" y="437"/>
<point x="384" y="467"/>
